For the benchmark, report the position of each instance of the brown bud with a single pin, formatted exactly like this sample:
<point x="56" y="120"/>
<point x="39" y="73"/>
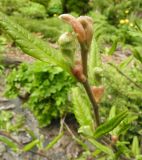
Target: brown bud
<point x="98" y="92"/>
<point x="114" y="139"/>
<point x="87" y="24"/>
<point x="76" y="25"/>
<point x="78" y="71"/>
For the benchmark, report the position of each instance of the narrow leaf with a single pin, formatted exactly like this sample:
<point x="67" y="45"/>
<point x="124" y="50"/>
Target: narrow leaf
<point x="54" y="141"/>
<point x="137" y="51"/>
<point x="126" y="62"/>
<point x="9" y="143"/>
<point x="82" y="107"/>
<point x="113" y="48"/>
<point x="30" y="145"/>
<point x="94" y="59"/>
<point x="95" y="56"/>
<point x="101" y="147"/>
<point x="135" y="146"/>
<point x="126" y="124"/>
<point x="112" y="112"/>
<point x="110" y="124"/>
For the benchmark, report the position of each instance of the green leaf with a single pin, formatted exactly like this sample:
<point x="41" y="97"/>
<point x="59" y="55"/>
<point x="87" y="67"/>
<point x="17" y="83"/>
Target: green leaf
<point x="94" y="59"/>
<point x="86" y="130"/>
<point x="54" y="141"/>
<point x="123" y="148"/>
<point x="113" y="48"/>
<point x="30" y="145"/>
<point x="96" y="152"/>
<point x="137" y="51"/>
<point x="82" y="107"/>
<point x="126" y="124"/>
<point x="9" y="143"/>
<point x="126" y="61"/>
<point x="101" y="147"/>
<point x="31" y="45"/>
<point x="110" y="124"/>
<point x="95" y="56"/>
<point x="112" y="112"/>
<point x="135" y="146"/>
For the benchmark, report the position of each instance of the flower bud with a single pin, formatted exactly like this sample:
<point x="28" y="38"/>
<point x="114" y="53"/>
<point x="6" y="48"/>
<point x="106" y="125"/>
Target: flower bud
<point x="127" y="11"/>
<point x="87" y="24"/>
<point x="114" y="139"/>
<point x="68" y="46"/>
<point x="78" y="71"/>
<point x="76" y="25"/>
<point x="97" y="92"/>
<point x="122" y="21"/>
<point x="126" y="21"/>
<point x="82" y="26"/>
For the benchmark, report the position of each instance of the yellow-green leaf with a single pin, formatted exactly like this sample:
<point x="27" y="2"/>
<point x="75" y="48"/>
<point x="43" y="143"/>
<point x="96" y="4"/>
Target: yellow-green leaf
<point x="54" y="141"/>
<point x="30" y="145"/>
<point x="101" y="147"/>
<point x="135" y="146"/>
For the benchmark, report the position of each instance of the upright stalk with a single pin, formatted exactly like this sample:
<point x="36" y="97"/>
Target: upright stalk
<point x="84" y="58"/>
<point x="83" y="27"/>
<point x="84" y="55"/>
<point x="93" y="102"/>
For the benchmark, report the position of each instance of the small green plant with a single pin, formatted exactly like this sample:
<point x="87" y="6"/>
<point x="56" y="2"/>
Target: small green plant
<point x="46" y="88"/>
<point x="10" y="123"/>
